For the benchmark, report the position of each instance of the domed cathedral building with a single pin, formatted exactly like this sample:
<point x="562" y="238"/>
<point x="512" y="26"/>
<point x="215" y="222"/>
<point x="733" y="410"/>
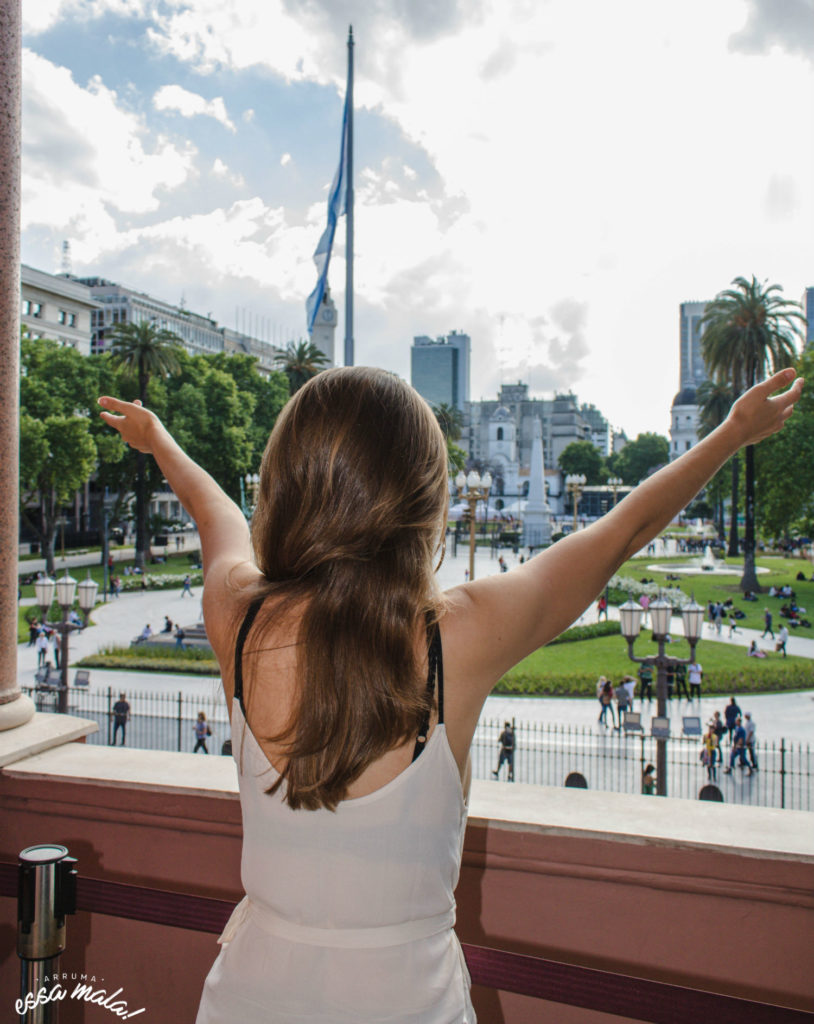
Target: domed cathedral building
<point x="501" y="453"/>
<point x="499" y="435"/>
<point x="685" y="412"/>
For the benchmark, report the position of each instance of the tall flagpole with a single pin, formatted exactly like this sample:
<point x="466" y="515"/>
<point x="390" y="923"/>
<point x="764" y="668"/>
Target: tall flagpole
<point x="349" y="213"/>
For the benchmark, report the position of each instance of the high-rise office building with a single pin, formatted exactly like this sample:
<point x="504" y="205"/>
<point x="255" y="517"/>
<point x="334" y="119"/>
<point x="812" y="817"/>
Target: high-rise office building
<point x="684" y="412"/>
<point x="692" y="370"/>
<point x="808" y="312"/>
<point x="439" y="369"/>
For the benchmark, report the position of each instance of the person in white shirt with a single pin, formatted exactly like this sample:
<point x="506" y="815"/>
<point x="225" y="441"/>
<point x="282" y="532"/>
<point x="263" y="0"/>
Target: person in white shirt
<point x="782" y="637"/>
<point x="695" y="674"/>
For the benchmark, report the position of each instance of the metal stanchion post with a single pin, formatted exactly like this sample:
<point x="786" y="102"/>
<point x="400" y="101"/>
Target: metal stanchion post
<point x="46" y="894"/>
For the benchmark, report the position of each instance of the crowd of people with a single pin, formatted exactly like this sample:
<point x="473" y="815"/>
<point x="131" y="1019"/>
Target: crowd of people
<point x="739" y="728"/>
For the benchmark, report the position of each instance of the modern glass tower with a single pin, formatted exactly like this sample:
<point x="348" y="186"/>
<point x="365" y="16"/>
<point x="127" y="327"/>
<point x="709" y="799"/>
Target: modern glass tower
<point x="439" y="369"/>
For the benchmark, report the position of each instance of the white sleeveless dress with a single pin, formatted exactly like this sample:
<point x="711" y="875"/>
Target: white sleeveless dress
<point x="348" y="915"/>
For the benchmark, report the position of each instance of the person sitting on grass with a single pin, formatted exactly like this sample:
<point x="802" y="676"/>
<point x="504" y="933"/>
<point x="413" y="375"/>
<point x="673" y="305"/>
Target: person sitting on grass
<point x="754" y="651"/>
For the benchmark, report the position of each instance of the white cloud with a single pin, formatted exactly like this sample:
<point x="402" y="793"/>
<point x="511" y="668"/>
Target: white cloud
<point x="190" y="104"/>
<point x="85" y="159"/>
<point x="220" y="170"/>
<point x="590" y="154"/>
<point x="285" y="159"/>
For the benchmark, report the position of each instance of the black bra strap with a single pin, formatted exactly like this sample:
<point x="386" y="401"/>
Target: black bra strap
<point x="435" y="672"/>
<point x="245" y="626"/>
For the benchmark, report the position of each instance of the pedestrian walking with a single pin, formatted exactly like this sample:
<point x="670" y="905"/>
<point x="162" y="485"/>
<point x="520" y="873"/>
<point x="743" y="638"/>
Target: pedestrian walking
<point x="506" y="741"/>
<point x="187" y="588"/>
<point x="645" y="683"/>
<point x="695" y="673"/>
<point x="709" y="752"/>
<point x="649" y="780"/>
<point x="681" y="683"/>
<point x="644" y="602"/>
<point x="121" y="716"/>
<point x="767" y="624"/>
<point x="42" y="647"/>
<point x="738" y="751"/>
<point x="749" y="739"/>
<point x="606" y="702"/>
<point x="731" y="714"/>
<point x="55" y="640"/>
<point x="179" y="638"/>
<point x="202" y="732"/>
<point x="782" y="638"/>
<point x="602" y="608"/>
<point x="719" y="729"/>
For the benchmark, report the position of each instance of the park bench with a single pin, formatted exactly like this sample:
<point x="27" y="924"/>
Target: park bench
<point x="691" y="725"/>
<point x="632" y="721"/>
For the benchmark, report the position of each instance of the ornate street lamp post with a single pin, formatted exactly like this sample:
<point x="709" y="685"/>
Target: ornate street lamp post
<point x="472" y="489"/>
<point x="248" y="494"/>
<point x="66" y="592"/>
<point x="615" y="482"/>
<point x="630" y="615"/>
<point x="575" y="485"/>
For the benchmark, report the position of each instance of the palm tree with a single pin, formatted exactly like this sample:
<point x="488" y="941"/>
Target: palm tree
<point x="749" y="330"/>
<point x="301" y="361"/>
<point x="146" y="351"/>
<point x="715" y="400"/>
<point x="450" y="420"/>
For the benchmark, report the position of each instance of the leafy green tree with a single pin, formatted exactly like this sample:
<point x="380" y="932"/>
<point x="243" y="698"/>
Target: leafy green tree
<point x="57" y="456"/>
<point x="640" y="457"/>
<point x="715" y="399"/>
<point x="212" y="420"/>
<point x="61" y="437"/>
<point x="145" y="350"/>
<point x="749" y="329"/>
<point x="270" y="395"/>
<point x="583" y="457"/>
<point x="784" y="468"/>
<point x="301" y="361"/>
<point x="450" y="420"/>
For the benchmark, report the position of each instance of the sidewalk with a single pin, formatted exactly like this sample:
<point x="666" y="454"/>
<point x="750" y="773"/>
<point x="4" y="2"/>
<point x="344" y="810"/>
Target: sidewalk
<point x="121" y="619"/>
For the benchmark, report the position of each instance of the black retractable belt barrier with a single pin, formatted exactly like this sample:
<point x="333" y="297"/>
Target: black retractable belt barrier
<point x="46" y="894"/>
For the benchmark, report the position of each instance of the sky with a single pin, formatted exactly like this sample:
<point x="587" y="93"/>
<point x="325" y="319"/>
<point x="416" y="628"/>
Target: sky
<point x="552" y="177"/>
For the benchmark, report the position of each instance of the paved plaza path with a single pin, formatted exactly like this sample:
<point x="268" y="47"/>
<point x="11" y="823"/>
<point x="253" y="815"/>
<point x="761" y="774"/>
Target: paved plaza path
<point x="120" y="620"/>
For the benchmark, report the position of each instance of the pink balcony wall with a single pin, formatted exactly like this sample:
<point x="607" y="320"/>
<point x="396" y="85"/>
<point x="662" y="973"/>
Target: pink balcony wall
<point x="708" y="896"/>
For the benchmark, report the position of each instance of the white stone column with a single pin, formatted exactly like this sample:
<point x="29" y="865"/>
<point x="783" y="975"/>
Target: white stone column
<point x="15" y="709"/>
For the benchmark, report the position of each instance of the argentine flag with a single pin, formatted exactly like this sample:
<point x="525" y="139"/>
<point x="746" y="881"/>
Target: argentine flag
<point x="336" y="207"/>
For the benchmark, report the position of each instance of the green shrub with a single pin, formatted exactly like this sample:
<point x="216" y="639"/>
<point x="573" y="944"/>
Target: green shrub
<point x="607" y="628"/>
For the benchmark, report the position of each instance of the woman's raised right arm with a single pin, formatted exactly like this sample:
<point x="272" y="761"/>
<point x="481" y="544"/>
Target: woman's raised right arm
<point x="221" y="525"/>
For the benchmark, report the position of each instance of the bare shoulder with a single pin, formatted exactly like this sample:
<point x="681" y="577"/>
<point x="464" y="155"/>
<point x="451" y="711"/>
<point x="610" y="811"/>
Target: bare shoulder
<point x="226" y="581"/>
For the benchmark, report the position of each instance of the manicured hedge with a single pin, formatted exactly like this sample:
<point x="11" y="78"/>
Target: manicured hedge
<point x="608" y="628"/>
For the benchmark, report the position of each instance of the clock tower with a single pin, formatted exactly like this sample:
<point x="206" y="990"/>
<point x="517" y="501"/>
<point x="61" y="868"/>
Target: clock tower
<point x="322" y="334"/>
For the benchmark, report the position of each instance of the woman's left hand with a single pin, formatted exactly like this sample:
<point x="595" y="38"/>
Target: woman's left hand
<point x="759" y="412"/>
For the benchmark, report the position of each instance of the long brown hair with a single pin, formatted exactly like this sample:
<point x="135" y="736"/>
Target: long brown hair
<point x="350" y="515"/>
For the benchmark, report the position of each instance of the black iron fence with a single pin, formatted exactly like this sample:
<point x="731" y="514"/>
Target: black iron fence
<point x="545" y="754"/>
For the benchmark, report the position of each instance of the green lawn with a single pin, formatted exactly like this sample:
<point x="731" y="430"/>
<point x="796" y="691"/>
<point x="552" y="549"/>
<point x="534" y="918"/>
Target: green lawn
<point x="179" y="563"/>
<point x="572" y="669"/>
<point x="706" y="587"/>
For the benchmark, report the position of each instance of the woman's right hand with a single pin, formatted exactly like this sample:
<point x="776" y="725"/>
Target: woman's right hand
<point x="137" y="425"/>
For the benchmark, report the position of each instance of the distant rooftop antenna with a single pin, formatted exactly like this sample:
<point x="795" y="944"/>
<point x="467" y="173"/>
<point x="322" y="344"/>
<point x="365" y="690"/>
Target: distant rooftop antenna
<point x="66" y="267"/>
<point x="183" y="301"/>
